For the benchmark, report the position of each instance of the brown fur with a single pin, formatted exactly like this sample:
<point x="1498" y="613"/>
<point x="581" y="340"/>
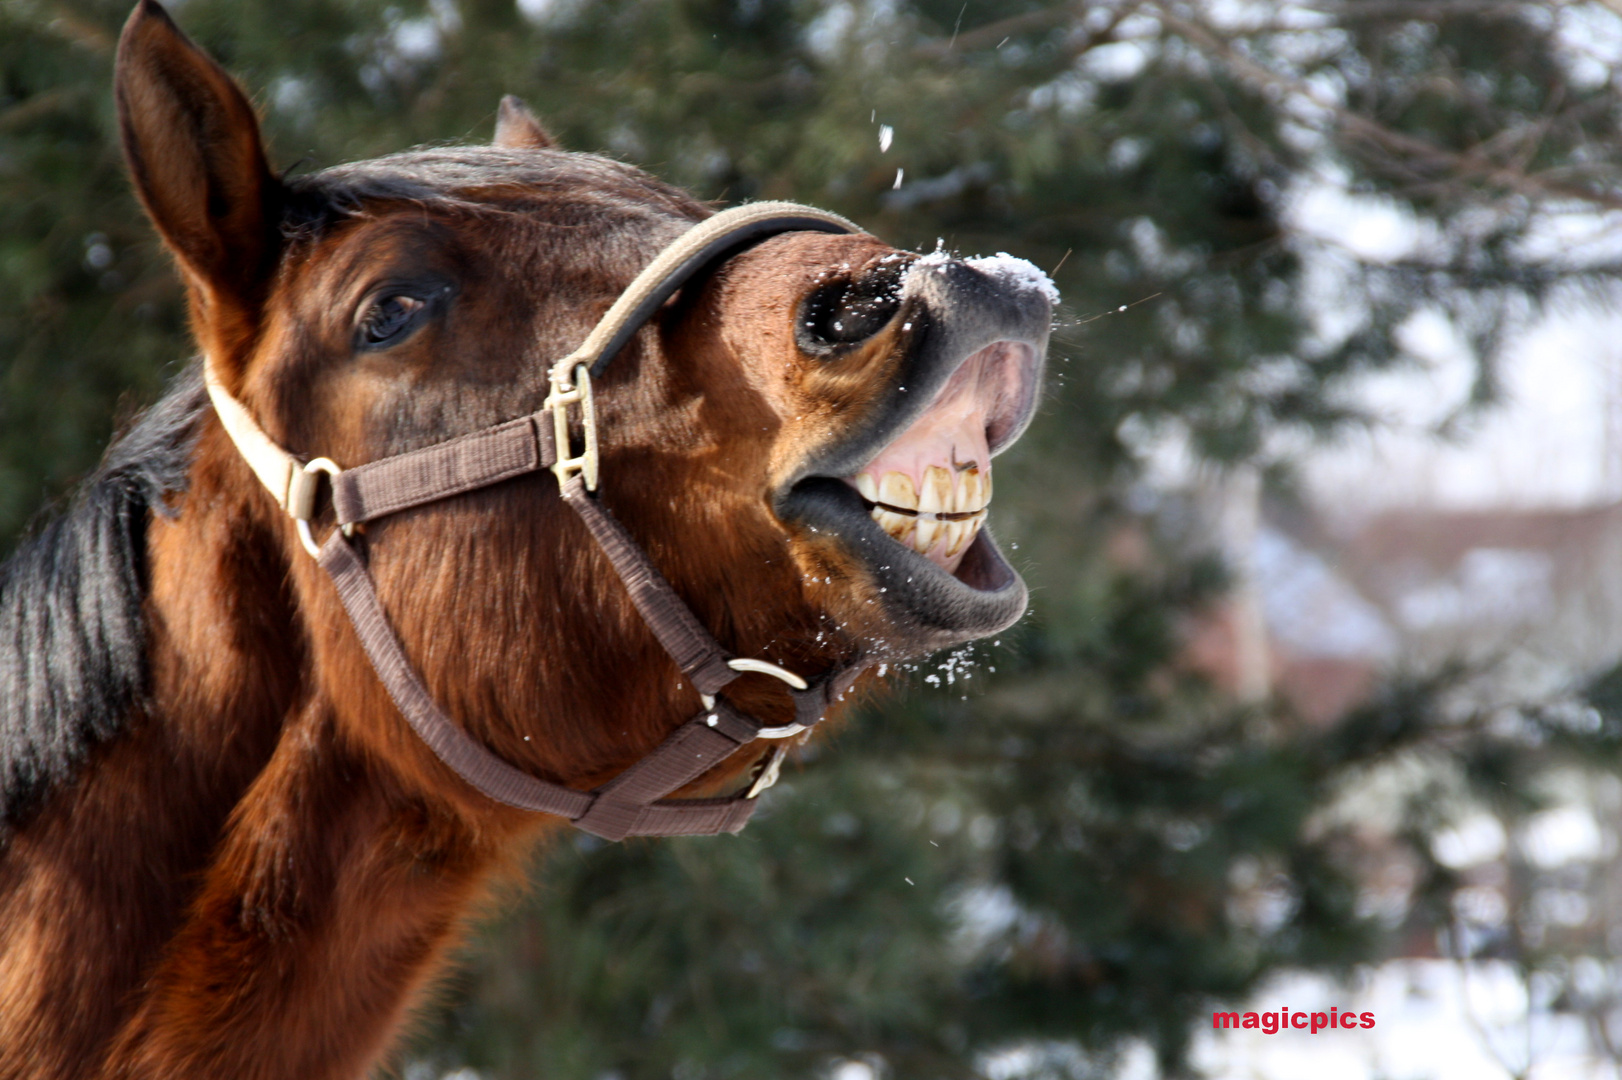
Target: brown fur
<point x="519" y="129"/>
<point x="260" y="876"/>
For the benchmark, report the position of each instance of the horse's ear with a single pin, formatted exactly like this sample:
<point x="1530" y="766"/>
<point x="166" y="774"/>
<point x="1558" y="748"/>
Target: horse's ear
<point x="517" y="128"/>
<point x="192" y="143"/>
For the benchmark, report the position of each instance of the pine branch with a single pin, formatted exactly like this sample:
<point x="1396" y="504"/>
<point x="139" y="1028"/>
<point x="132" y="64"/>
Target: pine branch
<point x="1423" y="158"/>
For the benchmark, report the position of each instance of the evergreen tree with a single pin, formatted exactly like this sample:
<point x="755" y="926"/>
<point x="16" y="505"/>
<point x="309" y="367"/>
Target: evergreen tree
<point x="1062" y="839"/>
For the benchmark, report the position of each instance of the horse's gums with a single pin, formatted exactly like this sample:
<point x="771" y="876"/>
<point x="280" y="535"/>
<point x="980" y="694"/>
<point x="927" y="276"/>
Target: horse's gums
<point x="257" y="875"/>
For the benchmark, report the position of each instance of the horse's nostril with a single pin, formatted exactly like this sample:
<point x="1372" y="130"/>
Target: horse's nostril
<point x="844" y="313"/>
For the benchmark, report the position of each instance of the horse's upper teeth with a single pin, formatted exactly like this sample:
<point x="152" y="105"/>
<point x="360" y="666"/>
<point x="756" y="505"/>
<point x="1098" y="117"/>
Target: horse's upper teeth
<point x="936" y="515"/>
<point x="897" y="489"/>
<point x="976" y="488"/>
<point x="937" y="493"/>
<point x="941" y="493"/>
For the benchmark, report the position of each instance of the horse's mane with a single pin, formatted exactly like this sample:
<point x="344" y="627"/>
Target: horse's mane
<point x="72" y="630"/>
<point x="597" y="191"/>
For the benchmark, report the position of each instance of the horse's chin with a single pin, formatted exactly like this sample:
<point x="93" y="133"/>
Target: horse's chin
<point x="928" y="605"/>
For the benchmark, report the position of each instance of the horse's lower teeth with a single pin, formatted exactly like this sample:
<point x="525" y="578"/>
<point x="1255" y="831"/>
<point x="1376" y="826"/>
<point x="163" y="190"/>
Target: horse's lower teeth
<point x="921" y="532"/>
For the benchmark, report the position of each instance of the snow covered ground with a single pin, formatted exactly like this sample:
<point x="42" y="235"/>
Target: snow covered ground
<point x="1434" y="1019"/>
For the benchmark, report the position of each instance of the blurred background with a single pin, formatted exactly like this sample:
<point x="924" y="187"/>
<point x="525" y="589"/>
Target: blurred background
<point x="1317" y="703"/>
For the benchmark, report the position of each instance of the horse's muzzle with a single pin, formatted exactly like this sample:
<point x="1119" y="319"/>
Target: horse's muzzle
<point x="906" y="493"/>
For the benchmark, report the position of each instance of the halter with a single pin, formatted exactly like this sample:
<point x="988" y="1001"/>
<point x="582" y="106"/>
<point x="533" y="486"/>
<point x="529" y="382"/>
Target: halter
<point x="634" y="803"/>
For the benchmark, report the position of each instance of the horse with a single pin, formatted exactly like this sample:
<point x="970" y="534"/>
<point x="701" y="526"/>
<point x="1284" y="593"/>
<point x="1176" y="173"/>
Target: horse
<point x="229" y="845"/>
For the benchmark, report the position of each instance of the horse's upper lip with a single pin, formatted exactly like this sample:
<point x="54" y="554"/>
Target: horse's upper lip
<point x="972" y="328"/>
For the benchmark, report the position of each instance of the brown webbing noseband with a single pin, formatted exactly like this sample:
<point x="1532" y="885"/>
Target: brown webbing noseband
<point x="635" y="802"/>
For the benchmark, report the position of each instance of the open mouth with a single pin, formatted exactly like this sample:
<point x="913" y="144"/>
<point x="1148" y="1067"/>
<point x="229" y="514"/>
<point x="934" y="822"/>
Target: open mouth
<point x="930" y="489"/>
<point x="908" y="492"/>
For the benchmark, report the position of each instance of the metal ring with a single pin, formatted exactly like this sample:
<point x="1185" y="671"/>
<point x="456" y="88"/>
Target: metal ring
<point x="332" y="469"/>
<point x="770" y="769"/>
<point x="766" y="668"/>
<point x="306" y="539"/>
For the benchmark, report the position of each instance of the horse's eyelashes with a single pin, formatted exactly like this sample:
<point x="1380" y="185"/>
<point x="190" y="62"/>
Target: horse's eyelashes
<point x="387" y="319"/>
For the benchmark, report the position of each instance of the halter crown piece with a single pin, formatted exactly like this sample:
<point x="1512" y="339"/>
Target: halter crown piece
<point x="634" y="803"/>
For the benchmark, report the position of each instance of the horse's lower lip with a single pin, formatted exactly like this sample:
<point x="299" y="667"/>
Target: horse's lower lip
<point x="981" y="596"/>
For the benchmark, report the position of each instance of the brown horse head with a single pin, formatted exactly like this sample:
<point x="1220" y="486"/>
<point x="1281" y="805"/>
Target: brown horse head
<point x="243" y="862"/>
<point x="802" y="440"/>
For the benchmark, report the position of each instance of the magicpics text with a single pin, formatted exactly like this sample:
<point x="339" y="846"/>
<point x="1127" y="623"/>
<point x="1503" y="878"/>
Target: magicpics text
<point x="1271" y="1023"/>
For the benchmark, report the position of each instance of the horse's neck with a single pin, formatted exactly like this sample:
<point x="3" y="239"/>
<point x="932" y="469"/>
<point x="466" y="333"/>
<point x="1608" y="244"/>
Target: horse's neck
<point x="96" y="881"/>
<point x="258" y="876"/>
<point x="313" y="916"/>
<point x="226" y="889"/>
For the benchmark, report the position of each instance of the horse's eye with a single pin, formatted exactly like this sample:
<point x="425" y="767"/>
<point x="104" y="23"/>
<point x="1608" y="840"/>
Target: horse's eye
<point x="843" y="313"/>
<point x="388" y="318"/>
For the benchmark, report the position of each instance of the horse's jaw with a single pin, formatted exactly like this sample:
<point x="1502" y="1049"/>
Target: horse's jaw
<point x="928" y="606"/>
<point x="906" y="496"/>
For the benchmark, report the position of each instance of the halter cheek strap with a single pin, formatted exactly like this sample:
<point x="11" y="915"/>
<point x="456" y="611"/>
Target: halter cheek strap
<point x="634" y="803"/>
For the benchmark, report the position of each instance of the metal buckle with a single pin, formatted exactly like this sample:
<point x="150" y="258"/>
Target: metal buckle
<point x="765" y="667"/>
<point x="301" y="501"/>
<point x="769" y="772"/>
<point x="565" y="393"/>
